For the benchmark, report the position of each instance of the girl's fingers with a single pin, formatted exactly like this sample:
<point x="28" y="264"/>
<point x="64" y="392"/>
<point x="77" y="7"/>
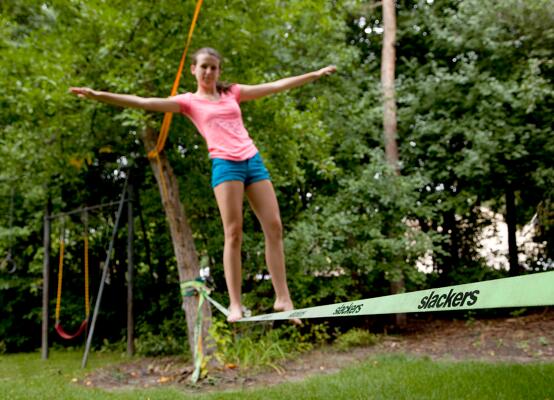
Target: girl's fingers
<point x="328" y="70"/>
<point x="82" y="92"/>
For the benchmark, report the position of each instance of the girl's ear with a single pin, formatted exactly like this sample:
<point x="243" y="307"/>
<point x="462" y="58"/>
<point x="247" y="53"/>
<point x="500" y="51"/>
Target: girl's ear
<point x="193" y="69"/>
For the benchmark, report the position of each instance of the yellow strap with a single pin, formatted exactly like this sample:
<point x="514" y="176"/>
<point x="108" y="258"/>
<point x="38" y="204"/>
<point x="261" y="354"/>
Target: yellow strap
<point x="60" y="275"/>
<point x="164" y="131"/>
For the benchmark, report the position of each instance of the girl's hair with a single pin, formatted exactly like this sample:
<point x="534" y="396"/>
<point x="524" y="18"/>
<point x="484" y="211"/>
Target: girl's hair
<point x="222" y="87"/>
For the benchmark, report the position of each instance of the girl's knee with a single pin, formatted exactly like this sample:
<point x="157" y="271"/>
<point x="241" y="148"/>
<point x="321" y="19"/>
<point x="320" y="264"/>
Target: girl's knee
<point x="274" y="229"/>
<point x="233" y="235"/>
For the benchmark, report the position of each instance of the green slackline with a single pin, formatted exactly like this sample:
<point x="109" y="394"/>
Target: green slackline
<point x="521" y="291"/>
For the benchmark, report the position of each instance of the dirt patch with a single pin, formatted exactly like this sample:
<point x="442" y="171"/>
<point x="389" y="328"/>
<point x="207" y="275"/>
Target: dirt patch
<point x="524" y="339"/>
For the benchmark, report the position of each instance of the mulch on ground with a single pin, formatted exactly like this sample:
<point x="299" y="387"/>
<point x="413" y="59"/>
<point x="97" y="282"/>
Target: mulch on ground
<point x="523" y="339"/>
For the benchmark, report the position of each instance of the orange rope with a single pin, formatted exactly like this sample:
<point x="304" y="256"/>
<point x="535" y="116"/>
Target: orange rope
<point x="164" y="131"/>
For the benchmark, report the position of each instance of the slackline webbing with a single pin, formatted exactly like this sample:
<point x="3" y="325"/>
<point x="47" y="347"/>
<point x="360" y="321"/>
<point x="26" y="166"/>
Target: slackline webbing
<point x="520" y="291"/>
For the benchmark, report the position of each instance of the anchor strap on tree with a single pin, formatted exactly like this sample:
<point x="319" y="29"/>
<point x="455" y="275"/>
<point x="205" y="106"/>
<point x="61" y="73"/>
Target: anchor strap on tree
<point x="198" y="287"/>
<point x="164" y="131"/>
<point x="84" y="324"/>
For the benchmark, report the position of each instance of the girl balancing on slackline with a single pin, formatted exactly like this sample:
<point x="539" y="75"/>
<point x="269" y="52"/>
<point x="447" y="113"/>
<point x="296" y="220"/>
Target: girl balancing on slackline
<point x="237" y="167"/>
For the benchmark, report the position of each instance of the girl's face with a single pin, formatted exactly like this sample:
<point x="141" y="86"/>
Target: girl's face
<point x="206" y="70"/>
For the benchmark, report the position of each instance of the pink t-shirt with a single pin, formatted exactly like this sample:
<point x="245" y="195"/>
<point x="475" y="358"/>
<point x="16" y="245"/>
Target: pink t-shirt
<point x="220" y="123"/>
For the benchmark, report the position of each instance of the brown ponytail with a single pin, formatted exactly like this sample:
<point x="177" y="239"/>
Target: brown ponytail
<point x="221" y="86"/>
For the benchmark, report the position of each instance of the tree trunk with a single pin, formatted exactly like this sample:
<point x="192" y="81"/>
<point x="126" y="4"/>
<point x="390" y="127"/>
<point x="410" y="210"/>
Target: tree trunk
<point x="515" y="268"/>
<point x="452" y="262"/>
<point x="181" y="236"/>
<point x="388" y="60"/>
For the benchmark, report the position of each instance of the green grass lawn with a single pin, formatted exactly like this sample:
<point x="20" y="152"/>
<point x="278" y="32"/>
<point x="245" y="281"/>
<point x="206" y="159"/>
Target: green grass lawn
<point x="25" y="376"/>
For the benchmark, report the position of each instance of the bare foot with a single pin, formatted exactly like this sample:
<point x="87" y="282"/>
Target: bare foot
<point x="286" y="305"/>
<point x="235" y="313"/>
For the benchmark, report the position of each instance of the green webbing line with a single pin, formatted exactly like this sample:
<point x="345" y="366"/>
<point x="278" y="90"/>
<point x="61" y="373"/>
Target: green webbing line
<point x="191" y="288"/>
<point x="521" y="291"/>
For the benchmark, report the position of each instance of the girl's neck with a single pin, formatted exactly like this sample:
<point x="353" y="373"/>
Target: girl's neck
<point x="210" y="92"/>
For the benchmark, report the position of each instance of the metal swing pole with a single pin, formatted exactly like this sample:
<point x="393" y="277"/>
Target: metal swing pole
<point x="130" y="274"/>
<point x="46" y="278"/>
<point x="105" y="272"/>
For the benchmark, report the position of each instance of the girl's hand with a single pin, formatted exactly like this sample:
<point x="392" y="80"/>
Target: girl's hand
<point x="83" y="92"/>
<point x="326" y="71"/>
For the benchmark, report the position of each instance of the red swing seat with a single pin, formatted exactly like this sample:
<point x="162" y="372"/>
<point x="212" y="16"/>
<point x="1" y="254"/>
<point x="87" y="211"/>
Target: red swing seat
<point x="69" y="336"/>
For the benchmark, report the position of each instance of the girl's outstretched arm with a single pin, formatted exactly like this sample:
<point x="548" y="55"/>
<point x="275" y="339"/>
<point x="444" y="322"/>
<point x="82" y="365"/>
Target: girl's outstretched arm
<point x="128" y="100"/>
<point x="252" y="92"/>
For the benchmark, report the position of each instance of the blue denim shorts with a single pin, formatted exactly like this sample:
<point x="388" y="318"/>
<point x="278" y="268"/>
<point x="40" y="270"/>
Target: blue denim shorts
<point x="247" y="171"/>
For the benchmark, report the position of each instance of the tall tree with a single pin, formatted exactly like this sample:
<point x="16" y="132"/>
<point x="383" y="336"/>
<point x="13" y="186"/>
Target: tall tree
<point x="477" y="120"/>
<point x="388" y="63"/>
<point x="388" y="66"/>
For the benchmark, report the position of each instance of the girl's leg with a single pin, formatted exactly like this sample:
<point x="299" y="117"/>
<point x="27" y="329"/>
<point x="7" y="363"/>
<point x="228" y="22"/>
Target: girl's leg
<point x="229" y="196"/>
<point x="264" y="203"/>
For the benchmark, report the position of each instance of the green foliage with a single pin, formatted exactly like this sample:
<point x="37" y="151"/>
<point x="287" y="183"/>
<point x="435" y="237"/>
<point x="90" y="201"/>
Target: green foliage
<point x="366" y="230"/>
<point x="119" y="346"/>
<point x="518" y="312"/>
<point x="475" y="99"/>
<point x="252" y="348"/>
<point x="355" y="337"/>
<point x="151" y="345"/>
<point x="476" y="115"/>
<point x="162" y="330"/>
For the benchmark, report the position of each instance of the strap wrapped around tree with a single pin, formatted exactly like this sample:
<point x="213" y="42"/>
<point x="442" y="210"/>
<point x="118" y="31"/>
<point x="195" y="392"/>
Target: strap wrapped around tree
<point x="164" y="131"/>
<point x="198" y="287"/>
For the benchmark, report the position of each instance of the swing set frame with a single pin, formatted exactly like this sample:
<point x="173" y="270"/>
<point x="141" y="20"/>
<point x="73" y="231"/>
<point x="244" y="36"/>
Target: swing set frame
<point x="125" y="198"/>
